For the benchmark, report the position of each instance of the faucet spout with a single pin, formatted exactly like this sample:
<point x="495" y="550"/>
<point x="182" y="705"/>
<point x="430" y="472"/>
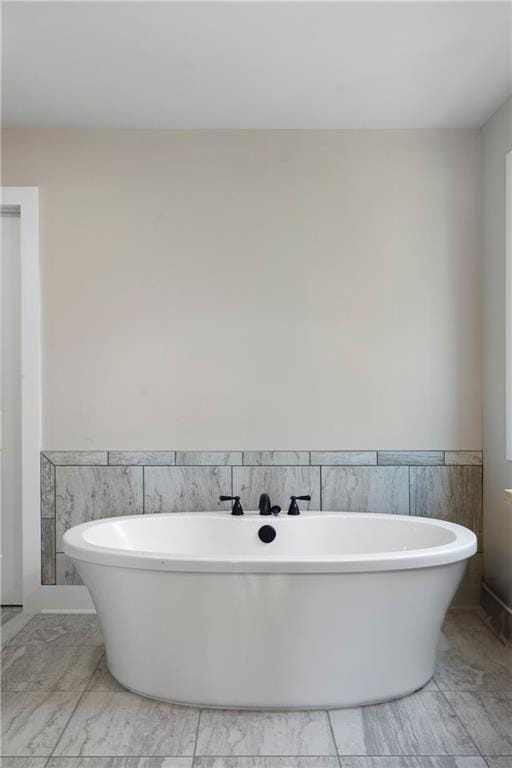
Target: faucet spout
<point x="264" y="505"/>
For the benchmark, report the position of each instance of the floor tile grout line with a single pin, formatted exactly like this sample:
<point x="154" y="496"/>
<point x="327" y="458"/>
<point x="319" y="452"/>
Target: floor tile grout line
<point x="460" y="721"/>
<point x="52" y="753"/>
<point x="224" y="757"/>
<point x="197" y="737"/>
<point x="333" y="737"/>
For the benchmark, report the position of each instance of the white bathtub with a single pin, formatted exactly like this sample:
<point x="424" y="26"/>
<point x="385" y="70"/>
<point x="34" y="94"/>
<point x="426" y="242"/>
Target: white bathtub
<point x="339" y="610"/>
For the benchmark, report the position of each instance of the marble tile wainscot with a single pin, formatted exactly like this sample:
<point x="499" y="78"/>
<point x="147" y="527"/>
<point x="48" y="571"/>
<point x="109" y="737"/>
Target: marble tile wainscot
<point x="77" y="486"/>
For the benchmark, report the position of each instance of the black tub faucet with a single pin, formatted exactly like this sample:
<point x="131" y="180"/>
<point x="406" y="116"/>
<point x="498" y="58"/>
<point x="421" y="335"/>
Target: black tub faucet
<point x="266" y="507"/>
<point x="293" y="509"/>
<point x="237" y="507"/>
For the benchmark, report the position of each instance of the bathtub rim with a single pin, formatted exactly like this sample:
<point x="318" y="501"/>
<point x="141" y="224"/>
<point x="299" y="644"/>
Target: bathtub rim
<point x="462" y="547"/>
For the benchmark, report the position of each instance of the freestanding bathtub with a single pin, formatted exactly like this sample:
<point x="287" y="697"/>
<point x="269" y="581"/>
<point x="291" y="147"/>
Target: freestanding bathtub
<point x="338" y="610"/>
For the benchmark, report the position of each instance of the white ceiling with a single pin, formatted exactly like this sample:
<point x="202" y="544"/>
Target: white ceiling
<point x="254" y="65"/>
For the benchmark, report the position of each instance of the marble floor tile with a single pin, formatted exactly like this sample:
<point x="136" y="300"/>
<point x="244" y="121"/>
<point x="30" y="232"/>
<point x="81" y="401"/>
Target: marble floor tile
<point x="61" y="629"/>
<point x="14" y="626"/>
<point x="123" y="724"/>
<point x="499" y="762"/>
<point x="471" y="657"/>
<point x="266" y="762"/>
<point x="32" y="722"/>
<point x="412" y="762"/>
<point x="119" y="762"/>
<point x="421" y="724"/>
<point x="232" y="732"/>
<point x="6" y="614"/>
<point x="46" y="667"/>
<point x="430" y="686"/>
<point x="488" y="718"/>
<point x="102" y="680"/>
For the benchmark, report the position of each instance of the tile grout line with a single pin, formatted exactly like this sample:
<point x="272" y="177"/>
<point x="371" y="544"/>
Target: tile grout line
<point x="55" y="517"/>
<point x="409" y="489"/>
<point x="52" y="753"/>
<point x="460" y="722"/>
<point x="194" y="753"/>
<point x="333" y="737"/>
<point x="234" y="757"/>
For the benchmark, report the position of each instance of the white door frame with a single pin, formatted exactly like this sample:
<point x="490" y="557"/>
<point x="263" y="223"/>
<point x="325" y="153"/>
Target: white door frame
<point x="27" y="198"/>
<point x="36" y="597"/>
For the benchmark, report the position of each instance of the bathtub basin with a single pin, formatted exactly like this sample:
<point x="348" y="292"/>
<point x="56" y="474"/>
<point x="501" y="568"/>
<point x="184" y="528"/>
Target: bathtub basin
<point x="340" y="609"/>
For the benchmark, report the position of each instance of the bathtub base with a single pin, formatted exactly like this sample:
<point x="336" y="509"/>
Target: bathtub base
<point x="272" y="640"/>
<point x="302" y="707"/>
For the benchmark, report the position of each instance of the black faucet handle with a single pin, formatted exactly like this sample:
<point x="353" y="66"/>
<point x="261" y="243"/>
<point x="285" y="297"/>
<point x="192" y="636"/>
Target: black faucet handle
<point x="237" y="507"/>
<point x="293" y="509"/>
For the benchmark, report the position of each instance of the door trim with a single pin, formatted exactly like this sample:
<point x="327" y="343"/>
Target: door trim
<point x="27" y="198"/>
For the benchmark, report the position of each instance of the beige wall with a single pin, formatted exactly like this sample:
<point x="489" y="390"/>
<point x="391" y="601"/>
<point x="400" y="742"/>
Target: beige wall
<point x="496" y="142"/>
<point x="257" y="289"/>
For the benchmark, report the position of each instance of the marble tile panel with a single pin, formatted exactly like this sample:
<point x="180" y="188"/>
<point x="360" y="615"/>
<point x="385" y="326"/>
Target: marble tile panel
<point x="130" y="458"/>
<point x="61" y="629"/>
<point x="48" y="551"/>
<point x="449" y="493"/>
<point x="421" y="724"/>
<point x="410" y="458"/>
<point x="46" y="667"/>
<point x="463" y="457"/>
<point x="275" y="458"/>
<point x="237" y="733"/>
<point x="66" y="571"/>
<point x="342" y="458"/>
<point x="366" y="489"/>
<point x="63" y="458"/>
<point x="487" y="716"/>
<point x="185" y="489"/>
<point x="32" y="722"/>
<point x="91" y="493"/>
<point x="208" y="458"/>
<point x="280" y="483"/>
<point x="47" y="487"/>
<point x="117" y="724"/>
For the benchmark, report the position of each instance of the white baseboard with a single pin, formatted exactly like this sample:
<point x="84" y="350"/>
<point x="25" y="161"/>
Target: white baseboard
<point x="61" y="599"/>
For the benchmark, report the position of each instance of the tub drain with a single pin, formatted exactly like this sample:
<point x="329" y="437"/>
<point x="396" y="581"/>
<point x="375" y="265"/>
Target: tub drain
<point x="267" y="533"/>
